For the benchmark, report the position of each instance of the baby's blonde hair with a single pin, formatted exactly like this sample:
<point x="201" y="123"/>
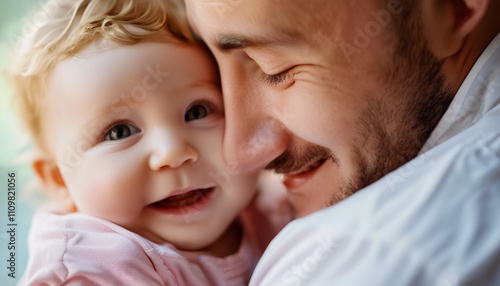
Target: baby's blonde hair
<point x="70" y="27"/>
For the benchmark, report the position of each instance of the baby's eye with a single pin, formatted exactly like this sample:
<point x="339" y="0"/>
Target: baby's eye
<point x="196" y="112"/>
<point x="120" y="131"/>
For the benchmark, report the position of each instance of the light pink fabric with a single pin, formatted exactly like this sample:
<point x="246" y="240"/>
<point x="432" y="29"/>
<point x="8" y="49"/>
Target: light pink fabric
<point x="76" y="249"/>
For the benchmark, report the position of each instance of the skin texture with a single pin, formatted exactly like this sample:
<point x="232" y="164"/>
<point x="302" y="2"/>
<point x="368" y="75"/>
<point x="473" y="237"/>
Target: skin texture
<point x="360" y="83"/>
<point x="162" y="103"/>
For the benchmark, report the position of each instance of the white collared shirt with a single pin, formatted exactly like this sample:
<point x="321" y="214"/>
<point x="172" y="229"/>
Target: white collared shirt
<point x="433" y="221"/>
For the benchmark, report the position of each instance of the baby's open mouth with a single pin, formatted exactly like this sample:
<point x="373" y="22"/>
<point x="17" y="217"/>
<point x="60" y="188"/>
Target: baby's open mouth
<point x="190" y="198"/>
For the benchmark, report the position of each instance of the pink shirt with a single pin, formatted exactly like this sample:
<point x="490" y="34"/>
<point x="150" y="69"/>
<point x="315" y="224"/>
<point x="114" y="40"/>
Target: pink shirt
<point x="78" y="249"/>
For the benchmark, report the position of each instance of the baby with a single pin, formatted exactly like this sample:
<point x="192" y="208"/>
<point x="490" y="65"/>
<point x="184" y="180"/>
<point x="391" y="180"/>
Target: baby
<point x="126" y="110"/>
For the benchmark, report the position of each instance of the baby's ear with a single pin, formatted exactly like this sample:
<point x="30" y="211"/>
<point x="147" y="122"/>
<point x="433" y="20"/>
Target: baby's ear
<point x="48" y="173"/>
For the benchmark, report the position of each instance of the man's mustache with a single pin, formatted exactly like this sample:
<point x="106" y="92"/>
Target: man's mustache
<point x="294" y="160"/>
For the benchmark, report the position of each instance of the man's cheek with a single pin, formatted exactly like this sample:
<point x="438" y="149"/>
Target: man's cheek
<point x="314" y="127"/>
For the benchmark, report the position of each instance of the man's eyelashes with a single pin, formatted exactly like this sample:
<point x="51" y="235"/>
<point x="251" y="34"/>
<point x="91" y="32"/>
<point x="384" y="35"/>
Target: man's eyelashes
<point x="282" y="78"/>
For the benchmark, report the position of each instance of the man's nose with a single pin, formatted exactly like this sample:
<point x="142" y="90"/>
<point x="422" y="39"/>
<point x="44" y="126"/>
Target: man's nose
<point x="254" y="136"/>
<point x="170" y="150"/>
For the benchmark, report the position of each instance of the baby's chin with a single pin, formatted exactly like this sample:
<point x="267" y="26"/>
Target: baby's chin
<point x="219" y="244"/>
<point x="185" y="242"/>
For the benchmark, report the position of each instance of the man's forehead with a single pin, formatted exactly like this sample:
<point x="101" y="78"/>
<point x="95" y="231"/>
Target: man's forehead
<point x="231" y="25"/>
<point x="214" y="15"/>
<point x="224" y="8"/>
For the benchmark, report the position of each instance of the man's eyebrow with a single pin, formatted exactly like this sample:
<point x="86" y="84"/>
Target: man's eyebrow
<point x="235" y="42"/>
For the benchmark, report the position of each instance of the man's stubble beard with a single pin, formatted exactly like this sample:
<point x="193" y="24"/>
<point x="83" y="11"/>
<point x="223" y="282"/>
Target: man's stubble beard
<point x="392" y="132"/>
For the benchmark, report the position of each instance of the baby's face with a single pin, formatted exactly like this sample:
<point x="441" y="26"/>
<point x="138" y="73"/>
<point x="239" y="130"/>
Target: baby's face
<point x="137" y="135"/>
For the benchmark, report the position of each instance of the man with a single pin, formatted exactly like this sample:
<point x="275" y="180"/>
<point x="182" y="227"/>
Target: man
<point x="346" y="92"/>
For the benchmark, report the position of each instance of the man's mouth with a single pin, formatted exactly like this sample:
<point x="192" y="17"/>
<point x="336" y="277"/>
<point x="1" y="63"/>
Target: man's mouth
<point x="192" y="201"/>
<point x="313" y="165"/>
<point x="294" y="179"/>
<point x="300" y="159"/>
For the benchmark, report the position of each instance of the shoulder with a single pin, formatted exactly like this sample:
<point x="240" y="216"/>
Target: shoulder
<point x="434" y="219"/>
<point x="70" y="232"/>
<point x="77" y="247"/>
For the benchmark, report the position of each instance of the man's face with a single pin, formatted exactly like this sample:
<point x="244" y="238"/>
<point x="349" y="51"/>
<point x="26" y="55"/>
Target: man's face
<point x="309" y="82"/>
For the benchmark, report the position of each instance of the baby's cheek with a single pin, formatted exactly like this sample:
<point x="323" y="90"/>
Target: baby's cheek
<point x="243" y="187"/>
<point x="104" y="191"/>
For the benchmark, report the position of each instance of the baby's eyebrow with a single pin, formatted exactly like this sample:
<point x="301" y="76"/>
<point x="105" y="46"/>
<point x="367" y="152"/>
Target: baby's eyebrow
<point x="126" y="103"/>
<point x="103" y="114"/>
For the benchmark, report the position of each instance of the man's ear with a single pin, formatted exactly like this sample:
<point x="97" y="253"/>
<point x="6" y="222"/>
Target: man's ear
<point x="447" y="23"/>
<point x="49" y="175"/>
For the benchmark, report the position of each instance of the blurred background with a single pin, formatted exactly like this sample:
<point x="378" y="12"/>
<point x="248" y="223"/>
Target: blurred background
<point x="14" y="14"/>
